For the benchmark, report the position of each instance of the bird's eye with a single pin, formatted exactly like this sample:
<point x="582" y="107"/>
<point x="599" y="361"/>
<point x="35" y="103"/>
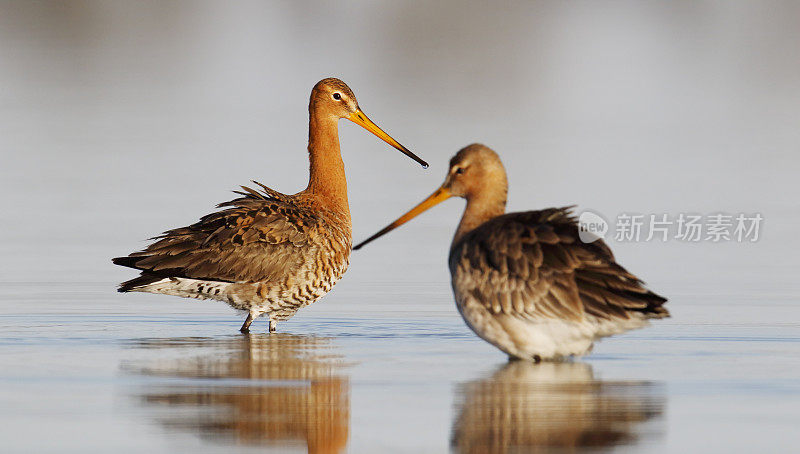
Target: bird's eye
<point x="459" y="170"/>
<point x="337" y="96"/>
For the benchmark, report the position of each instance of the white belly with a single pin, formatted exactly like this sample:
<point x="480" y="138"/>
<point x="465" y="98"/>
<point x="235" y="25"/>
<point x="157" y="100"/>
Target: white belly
<point x="542" y="338"/>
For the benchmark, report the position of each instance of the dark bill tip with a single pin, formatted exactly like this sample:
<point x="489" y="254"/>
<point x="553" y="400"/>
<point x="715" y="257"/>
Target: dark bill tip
<point x="411" y="155"/>
<point x="369" y="240"/>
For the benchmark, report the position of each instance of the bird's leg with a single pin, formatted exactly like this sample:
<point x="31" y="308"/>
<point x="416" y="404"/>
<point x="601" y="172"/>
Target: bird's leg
<point x="273" y="325"/>
<point x="246" y="326"/>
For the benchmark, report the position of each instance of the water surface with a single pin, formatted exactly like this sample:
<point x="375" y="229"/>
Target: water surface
<point x="119" y="120"/>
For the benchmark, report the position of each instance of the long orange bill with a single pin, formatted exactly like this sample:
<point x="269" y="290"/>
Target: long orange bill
<point x="437" y="197"/>
<point x="362" y="120"/>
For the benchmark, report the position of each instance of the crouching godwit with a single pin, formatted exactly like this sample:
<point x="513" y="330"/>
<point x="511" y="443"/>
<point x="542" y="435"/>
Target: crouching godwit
<point x="267" y="252"/>
<point x="525" y="282"/>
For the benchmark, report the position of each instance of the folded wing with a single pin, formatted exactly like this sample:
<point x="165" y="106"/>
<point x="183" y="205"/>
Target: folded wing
<point x="533" y="265"/>
<point x="256" y="237"/>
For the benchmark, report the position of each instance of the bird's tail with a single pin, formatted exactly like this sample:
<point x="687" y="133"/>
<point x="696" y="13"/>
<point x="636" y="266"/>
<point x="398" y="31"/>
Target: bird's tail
<point x="138" y="282"/>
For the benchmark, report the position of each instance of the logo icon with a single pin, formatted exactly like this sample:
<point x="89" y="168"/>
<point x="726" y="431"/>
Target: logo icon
<point x="591" y="227"/>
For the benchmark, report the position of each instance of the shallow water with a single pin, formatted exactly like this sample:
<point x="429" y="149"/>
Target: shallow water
<point x="120" y="120"/>
<point x="164" y="375"/>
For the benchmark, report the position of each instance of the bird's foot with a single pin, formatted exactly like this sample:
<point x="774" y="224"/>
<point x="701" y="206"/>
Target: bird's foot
<point x="535" y="358"/>
<point x="246" y="326"/>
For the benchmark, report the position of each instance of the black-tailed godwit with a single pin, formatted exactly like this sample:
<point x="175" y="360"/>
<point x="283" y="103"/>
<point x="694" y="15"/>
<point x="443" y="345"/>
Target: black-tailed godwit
<point x="267" y="252"/>
<point x="525" y="282"/>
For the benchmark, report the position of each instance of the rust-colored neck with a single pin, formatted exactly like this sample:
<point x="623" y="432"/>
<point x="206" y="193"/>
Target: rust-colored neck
<point x="482" y="206"/>
<point x="327" y="182"/>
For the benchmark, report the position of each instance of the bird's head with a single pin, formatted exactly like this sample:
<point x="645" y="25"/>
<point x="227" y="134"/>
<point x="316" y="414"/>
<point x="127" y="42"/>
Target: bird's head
<point x="332" y="98"/>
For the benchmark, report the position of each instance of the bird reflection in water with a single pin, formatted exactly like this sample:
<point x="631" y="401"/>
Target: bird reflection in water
<point x="270" y="389"/>
<point x="547" y="407"/>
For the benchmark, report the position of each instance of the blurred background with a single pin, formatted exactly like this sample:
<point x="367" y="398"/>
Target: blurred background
<point x="119" y="120"/>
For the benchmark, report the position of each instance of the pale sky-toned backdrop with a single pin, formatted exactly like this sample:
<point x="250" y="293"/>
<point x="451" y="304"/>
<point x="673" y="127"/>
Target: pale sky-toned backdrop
<point x="119" y="120"/>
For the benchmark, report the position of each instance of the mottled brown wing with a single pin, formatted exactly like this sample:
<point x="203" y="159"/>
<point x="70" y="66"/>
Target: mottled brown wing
<point x="533" y="265"/>
<point x="256" y="237"/>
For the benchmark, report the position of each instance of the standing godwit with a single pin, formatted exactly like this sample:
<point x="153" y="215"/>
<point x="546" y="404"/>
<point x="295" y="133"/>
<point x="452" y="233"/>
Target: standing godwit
<point x="525" y="282"/>
<point x="267" y="252"/>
